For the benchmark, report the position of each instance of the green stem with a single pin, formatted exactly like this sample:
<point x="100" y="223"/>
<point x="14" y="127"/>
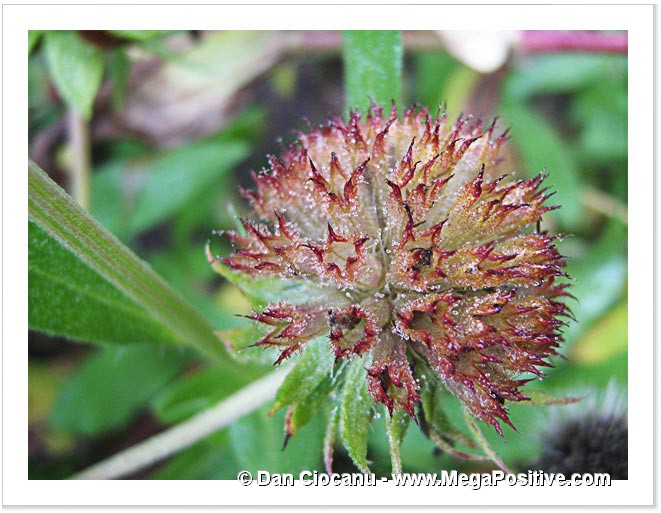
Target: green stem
<point x="372" y="68"/>
<point x="81" y="159"/>
<point x="394" y="443"/>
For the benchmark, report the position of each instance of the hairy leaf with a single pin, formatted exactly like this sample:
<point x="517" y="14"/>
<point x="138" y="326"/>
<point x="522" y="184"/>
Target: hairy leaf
<point x="258" y="440"/>
<point x="302" y="412"/>
<point x="314" y="365"/>
<point x="356" y="414"/>
<point x="71" y="300"/>
<point x="434" y="418"/>
<point x="93" y="251"/>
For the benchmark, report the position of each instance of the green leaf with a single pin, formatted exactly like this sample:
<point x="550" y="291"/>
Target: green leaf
<point x="188" y="272"/>
<point x="113" y="196"/>
<point x="117" y="186"/>
<point x="192" y="394"/>
<point x="94" y="249"/>
<point x="606" y="338"/>
<point x="562" y="73"/>
<point x="258" y="444"/>
<point x="538" y="398"/>
<point x="542" y="148"/>
<point x="313" y="366"/>
<point x="33" y="38"/>
<point x="111" y="386"/>
<point x="138" y="35"/>
<point x="356" y="413"/>
<point x="238" y="341"/>
<point x="179" y="176"/>
<point x="600" y="276"/>
<point x="434" y="417"/>
<point x="262" y="291"/>
<point x="71" y="300"/>
<point x="372" y="67"/>
<point x="119" y="67"/>
<point x="396" y="426"/>
<point x="417" y="451"/>
<point x="459" y="85"/>
<point x="305" y="410"/>
<point x="482" y="442"/>
<point x="435" y="422"/>
<point x="77" y="68"/>
<point x="601" y="111"/>
<point x="432" y="71"/>
<point x="207" y="459"/>
<point x="595" y="374"/>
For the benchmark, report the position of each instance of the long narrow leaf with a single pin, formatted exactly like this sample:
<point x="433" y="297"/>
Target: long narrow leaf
<point x="60" y="218"/>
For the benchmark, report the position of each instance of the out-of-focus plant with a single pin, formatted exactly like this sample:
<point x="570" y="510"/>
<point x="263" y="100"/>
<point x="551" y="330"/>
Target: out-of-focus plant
<point x="161" y="195"/>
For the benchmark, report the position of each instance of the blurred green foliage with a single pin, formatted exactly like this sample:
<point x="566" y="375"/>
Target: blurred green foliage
<point x="567" y="114"/>
<point x="111" y="386"/>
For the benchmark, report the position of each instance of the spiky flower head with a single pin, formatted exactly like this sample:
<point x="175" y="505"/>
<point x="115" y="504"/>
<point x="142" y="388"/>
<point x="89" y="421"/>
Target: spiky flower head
<point x="424" y="257"/>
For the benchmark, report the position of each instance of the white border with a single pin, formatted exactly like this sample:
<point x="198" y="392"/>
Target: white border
<point x="17" y="19"/>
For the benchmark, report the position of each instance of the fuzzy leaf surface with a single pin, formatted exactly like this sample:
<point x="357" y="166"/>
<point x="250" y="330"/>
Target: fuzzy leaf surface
<point x="121" y="281"/>
<point x="356" y="414"/>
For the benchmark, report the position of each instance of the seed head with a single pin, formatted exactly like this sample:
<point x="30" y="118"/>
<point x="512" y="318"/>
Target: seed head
<point x="419" y="249"/>
<point x="589" y="437"/>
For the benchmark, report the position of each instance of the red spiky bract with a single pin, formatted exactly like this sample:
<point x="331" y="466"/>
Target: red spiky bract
<point x="423" y="249"/>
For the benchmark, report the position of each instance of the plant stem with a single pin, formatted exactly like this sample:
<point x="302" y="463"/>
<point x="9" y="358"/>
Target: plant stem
<point x="187" y="433"/>
<point x="554" y="41"/>
<point x="373" y="61"/>
<point x="81" y="158"/>
<point x="394" y="442"/>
